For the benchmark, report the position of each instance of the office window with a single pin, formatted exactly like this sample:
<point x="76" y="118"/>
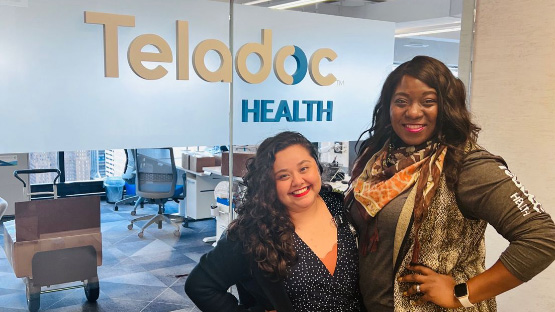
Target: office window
<point x="82" y="165"/>
<point x="93" y="165"/>
<point x="77" y="165"/>
<point x="45" y="160"/>
<point x="114" y="162"/>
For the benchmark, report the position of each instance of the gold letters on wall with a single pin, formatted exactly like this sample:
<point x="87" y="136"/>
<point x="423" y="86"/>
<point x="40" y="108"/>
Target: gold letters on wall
<point x="182" y="50"/>
<point x="111" y="23"/>
<point x="279" y="61"/>
<point x="264" y="52"/>
<point x="223" y="73"/>
<point x="136" y="56"/>
<point x="314" y="66"/>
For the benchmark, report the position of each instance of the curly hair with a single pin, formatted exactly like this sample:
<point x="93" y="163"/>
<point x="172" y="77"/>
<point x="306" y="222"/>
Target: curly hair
<point x="454" y="127"/>
<point x="262" y="223"/>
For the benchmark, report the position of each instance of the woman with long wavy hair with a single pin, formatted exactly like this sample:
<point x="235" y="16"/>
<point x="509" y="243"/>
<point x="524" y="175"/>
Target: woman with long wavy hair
<point x="422" y="192"/>
<point x="290" y="247"/>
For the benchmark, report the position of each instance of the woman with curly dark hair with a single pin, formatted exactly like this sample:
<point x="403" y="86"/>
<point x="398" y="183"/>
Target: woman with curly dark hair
<point x="290" y="247"/>
<point x="422" y="192"/>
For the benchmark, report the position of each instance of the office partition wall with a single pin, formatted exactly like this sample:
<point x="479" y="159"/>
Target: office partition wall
<point x="80" y="76"/>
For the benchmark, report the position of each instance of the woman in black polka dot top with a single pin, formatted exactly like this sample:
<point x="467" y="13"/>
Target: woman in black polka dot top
<point x="290" y="248"/>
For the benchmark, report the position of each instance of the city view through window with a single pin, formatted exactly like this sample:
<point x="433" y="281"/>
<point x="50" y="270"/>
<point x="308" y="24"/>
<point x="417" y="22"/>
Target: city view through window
<point x="78" y="165"/>
<point x="91" y="165"/>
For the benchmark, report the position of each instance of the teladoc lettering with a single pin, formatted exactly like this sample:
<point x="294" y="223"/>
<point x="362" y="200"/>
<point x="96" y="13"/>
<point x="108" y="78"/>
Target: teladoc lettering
<point x="136" y="56"/>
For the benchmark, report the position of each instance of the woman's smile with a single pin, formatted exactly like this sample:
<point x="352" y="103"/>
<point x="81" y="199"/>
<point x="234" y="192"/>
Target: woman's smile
<point x="414" y="128"/>
<point x="301" y="192"/>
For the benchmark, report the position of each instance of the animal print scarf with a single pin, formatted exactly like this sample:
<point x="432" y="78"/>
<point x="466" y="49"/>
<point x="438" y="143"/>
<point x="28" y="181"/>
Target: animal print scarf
<point x="394" y="171"/>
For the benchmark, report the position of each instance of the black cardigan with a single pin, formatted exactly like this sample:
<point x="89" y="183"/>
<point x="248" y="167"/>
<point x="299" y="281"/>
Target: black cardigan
<point x="227" y="265"/>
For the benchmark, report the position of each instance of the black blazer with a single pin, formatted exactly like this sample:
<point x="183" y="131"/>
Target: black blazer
<point x="227" y="265"/>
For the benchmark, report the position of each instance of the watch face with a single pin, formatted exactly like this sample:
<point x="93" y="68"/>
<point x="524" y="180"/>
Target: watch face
<point x="460" y="290"/>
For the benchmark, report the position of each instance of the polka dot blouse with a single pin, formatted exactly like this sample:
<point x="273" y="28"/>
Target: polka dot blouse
<point x="311" y="287"/>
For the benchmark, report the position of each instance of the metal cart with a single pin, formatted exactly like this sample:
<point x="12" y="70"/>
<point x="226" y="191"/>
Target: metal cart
<point x="66" y="258"/>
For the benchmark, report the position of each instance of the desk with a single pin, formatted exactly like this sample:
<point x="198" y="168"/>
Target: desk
<point x="222" y="219"/>
<point x="199" y="193"/>
<point x="213" y="170"/>
<point x="218" y="171"/>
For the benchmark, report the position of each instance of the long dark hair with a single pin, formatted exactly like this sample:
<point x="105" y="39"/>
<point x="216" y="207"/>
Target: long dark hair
<point x="262" y="223"/>
<point x="454" y="127"/>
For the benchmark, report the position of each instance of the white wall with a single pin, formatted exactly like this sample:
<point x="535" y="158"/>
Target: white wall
<point x="447" y="52"/>
<point x="513" y="88"/>
<point x="407" y="14"/>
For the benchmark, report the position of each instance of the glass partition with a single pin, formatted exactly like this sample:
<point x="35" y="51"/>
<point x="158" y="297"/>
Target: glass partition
<point x="85" y="83"/>
<point x="176" y="78"/>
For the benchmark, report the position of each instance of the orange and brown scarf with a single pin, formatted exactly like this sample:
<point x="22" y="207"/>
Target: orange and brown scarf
<point x="393" y="171"/>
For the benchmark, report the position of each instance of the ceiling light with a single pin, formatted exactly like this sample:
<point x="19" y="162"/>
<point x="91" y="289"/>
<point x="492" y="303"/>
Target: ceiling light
<point x="416" y="45"/>
<point x="256" y="2"/>
<point x="295" y="4"/>
<point x="428" y="32"/>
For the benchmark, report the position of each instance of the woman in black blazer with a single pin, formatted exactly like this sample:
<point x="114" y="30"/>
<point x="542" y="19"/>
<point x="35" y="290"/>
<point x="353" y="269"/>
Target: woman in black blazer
<point x="290" y="248"/>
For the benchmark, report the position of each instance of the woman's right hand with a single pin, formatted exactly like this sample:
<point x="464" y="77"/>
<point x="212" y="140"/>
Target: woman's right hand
<point x="435" y="287"/>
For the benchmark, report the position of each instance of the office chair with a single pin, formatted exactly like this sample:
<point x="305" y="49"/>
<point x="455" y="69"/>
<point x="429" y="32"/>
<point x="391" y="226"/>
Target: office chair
<point x="156" y="182"/>
<point x="129" y="174"/>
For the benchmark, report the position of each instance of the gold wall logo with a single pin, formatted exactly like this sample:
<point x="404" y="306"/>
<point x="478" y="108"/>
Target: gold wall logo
<point x="136" y="56"/>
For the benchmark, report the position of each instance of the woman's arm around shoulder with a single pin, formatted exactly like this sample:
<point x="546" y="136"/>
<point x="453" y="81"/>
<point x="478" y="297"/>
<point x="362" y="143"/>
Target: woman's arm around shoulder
<point x="208" y="283"/>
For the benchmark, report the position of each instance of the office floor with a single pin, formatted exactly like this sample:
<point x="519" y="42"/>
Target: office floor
<point x="136" y="274"/>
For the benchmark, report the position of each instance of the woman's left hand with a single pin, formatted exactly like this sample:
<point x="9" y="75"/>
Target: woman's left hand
<point x="434" y="287"/>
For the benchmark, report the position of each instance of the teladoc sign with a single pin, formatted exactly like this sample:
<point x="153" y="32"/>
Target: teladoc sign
<point x="136" y="56"/>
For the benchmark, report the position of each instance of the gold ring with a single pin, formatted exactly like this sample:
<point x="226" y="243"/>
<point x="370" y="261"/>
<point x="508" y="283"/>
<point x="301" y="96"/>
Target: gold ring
<point x="417" y="288"/>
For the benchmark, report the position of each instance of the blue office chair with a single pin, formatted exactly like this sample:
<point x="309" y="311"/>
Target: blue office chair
<point x="155" y="182"/>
